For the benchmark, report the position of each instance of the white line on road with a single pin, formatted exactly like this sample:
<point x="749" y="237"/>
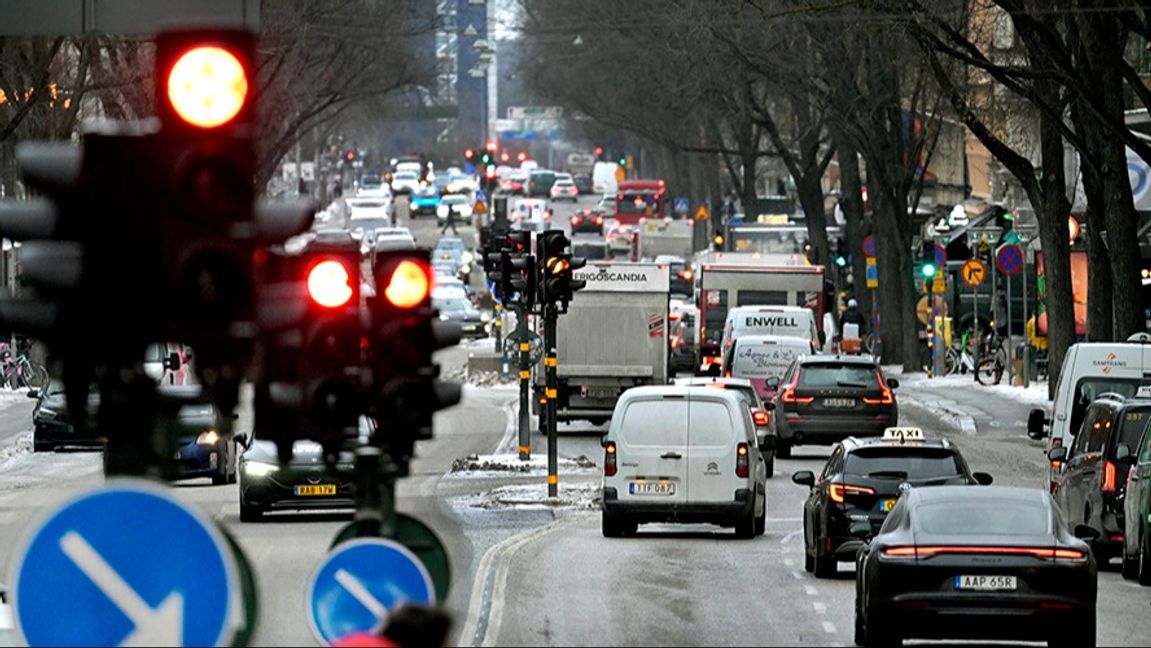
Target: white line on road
<point x="819" y="607"/>
<point x="829" y="627"/>
<point x="791" y="536"/>
<point x="810" y="589"/>
<point x="796" y="575"/>
<point x="361" y="594"/>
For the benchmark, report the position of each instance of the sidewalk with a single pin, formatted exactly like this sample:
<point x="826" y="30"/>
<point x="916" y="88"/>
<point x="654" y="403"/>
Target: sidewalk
<point x="15" y="419"/>
<point x="968" y="406"/>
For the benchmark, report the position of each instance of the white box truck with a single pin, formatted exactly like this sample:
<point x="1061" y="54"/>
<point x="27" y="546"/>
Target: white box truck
<point x="613" y="338"/>
<point x="663" y="236"/>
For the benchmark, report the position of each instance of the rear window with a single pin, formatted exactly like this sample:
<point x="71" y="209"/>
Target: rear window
<point x="711" y="424"/>
<point x="824" y="376"/>
<point x="654" y="423"/>
<point x="902" y="463"/>
<point x="983" y="517"/>
<point x="1132" y="423"/>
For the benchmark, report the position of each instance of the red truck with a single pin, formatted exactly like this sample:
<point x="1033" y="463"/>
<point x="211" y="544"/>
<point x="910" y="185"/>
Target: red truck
<point x="636" y="199"/>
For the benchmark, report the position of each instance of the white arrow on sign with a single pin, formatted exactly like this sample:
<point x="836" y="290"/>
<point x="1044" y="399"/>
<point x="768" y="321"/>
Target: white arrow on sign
<point x="361" y="594"/>
<point x="160" y="626"/>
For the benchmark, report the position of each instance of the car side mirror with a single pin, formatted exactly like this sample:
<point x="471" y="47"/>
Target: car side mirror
<point x="822" y="338"/>
<point x="803" y="478"/>
<point x="769" y="406"/>
<point x="860" y="529"/>
<point x="1086" y="532"/>
<point x="982" y="478"/>
<point x="1036" y="424"/>
<point x="767" y="443"/>
<point x="242" y="439"/>
<point x="892" y="383"/>
<point x="713" y="370"/>
<point x="33" y="393"/>
<point x="1057" y="454"/>
<point x="1123" y="454"/>
<point x="172" y="362"/>
<point x="773" y="382"/>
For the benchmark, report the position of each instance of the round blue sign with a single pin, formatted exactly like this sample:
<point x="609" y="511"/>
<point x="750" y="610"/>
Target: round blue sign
<point x="126" y="564"/>
<point x="1009" y="259"/>
<point x="360" y="582"/>
<point x="869" y="247"/>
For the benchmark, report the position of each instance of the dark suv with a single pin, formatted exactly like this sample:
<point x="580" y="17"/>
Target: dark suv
<point x="862" y="481"/>
<point x="823" y="399"/>
<point x="1091" y="479"/>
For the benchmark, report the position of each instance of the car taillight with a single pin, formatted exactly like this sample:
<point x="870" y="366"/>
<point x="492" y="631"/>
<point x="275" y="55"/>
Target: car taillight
<point x="761" y="417"/>
<point x="609" y="460"/>
<point x="599" y="220"/>
<point x="575" y="220"/>
<point x="838" y="492"/>
<point x="1039" y="552"/>
<point x="1110" y="477"/>
<point x="686" y="275"/>
<point x="886" y="398"/>
<point x="741" y="460"/>
<point x="789" y="393"/>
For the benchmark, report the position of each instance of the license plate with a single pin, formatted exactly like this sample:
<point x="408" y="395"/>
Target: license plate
<point x="839" y="402"/>
<point x="652" y="488"/>
<point x="985" y="583"/>
<point x="316" y="489"/>
<point x="886" y="505"/>
<point x="600" y="392"/>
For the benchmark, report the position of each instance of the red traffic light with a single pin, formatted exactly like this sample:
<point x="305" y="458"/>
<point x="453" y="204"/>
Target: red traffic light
<point x="329" y="284"/>
<point x="409" y="285"/>
<point x="598" y="151"/>
<point x="469" y="154"/>
<point x="207" y="86"/>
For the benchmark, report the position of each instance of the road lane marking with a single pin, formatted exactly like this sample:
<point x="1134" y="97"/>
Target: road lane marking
<point x="829" y="627"/>
<point x="820" y="608"/>
<point x="791" y="536"/>
<point x="810" y="589"/>
<point x="796" y="575"/>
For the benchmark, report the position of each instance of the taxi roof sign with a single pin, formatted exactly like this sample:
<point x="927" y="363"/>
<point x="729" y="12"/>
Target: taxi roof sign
<point x="1143" y="392"/>
<point x="904" y="434"/>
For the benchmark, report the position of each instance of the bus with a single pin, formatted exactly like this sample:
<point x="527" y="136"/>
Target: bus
<point x="636" y="199"/>
<point x="772" y="238"/>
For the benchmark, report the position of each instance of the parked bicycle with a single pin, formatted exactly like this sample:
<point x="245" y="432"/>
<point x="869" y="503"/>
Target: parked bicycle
<point x="18" y="371"/>
<point x="992" y="360"/>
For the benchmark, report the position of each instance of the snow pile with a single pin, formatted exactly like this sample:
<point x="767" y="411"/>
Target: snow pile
<point x="484" y="465"/>
<point x="22" y="446"/>
<point x="1035" y="394"/>
<point x="579" y="495"/>
<point x="477" y="378"/>
<point x="18" y="395"/>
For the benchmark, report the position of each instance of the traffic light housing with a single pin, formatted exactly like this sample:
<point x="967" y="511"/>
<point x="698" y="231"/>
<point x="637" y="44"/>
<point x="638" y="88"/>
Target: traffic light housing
<point x="557" y="266"/>
<point x="927" y="259"/>
<point x="718" y="240"/>
<point x="841" y="254"/>
<point x="599" y="154"/>
<point x="520" y="273"/>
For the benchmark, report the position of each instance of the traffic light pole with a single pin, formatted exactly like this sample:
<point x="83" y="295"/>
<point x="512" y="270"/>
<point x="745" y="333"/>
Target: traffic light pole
<point x="497" y="327"/>
<point x="550" y="387"/>
<point x="525" y="381"/>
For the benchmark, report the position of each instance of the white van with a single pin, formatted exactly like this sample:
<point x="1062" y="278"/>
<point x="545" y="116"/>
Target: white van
<point x="784" y="321"/>
<point x="683" y="454"/>
<point x="603" y="178"/>
<point x="1089" y="370"/>
<point x="759" y="358"/>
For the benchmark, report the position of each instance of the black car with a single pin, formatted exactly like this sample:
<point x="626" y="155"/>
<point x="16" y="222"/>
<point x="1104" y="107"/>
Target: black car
<point x="862" y="481"/>
<point x="203" y="449"/>
<point x="304" y="483"/>
<point x="681" y="275"/>
<point x="52" y="428"/>
<point x="583" y="182"/>
<point x="955" y="562"/>
<point x="823" y="399"/>
<point x="587" y="221"/>
<point x="1090" y="484"/>
<point x="455" y="307"/>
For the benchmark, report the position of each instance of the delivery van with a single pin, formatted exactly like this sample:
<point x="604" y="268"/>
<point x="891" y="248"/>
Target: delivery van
<point x="1090" y="369"/>
<point x="785" y="321"/>
<point x="759" y="358"/>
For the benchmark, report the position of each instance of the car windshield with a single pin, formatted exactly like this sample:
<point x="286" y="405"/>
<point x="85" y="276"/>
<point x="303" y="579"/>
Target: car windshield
<point x="405" y="175"/>
<point x="1132" y="423"/>
<point x="454" y="200"/>
<point x="900" y="462"/>
<point x="368" y="223"/>
<point x="372" y="181"/>
<point x="450" y="244"/>
<point x="824" y="376"/>
<point x="983" y="517"/>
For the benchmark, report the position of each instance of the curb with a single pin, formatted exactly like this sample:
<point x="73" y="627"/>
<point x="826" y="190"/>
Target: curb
<point x="957" y="421"/>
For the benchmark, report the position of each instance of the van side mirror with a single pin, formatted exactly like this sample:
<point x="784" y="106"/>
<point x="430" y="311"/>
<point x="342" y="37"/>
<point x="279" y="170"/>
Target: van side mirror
<point x="768" y="406"/>
<point x="892" y="383"/>
<point x="1057" y="454"/>
<point x="33" y="393"/>
<point x="1085" y="532"/>
<point x="1123" y="454"/>
<point x="982" y="478"/>
<point x="713" y="370"/>
<point x="803" y="478"/>
<point x="172" y="362"/>
<point x="1036" y="424"/>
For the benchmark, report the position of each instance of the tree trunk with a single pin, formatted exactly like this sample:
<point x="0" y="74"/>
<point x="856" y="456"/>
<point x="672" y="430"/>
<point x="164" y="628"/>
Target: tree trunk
<point x="810" y="187"/>
<point x="891" y="322"/>
<point x="1099" y="307"/>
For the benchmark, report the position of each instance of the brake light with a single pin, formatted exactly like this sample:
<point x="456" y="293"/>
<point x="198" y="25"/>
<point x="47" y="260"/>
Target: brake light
<point x="575" y="220"/>
<point x="839" y="492"/>
<point x="789" y="393"/>
<point x="609" y="459"/>
<point x="599" y="220"/>
<point x="741" y="461"/>
<point x="1109" y="477"/>
<point x="886" y="398"/>
<point x="1038" y="552"/>
<point x="761" y="417"/>
<point x="686" y="274"/>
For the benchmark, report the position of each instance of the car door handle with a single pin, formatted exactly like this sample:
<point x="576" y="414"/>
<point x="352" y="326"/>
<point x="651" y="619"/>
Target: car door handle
<point x="671" y="455"/>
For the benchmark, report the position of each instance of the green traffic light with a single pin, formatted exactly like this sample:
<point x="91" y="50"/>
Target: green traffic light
<point x="840" y="261"/>
<point x="928" y="270"/>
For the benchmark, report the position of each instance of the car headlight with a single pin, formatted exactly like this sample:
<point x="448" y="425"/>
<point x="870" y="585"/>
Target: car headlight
<point x="49" y="413"/>
<point x="485" y="317"/>
<point x="466" y="268"/>
<point x="467" y="257"/>
<point x="259" y="468"/>
<point x="465" y="211"/>
<point x="208" y="438"/>
<point x="441" y="211"/>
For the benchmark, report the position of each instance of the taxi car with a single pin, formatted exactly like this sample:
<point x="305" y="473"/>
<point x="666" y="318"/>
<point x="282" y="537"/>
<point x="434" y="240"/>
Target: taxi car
<point x="861" y="483"/>
<point x="955" y="562"/>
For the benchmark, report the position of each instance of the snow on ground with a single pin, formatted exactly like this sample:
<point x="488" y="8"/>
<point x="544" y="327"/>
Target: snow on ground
<point x="8" y="396"/>
<point x="22" y="446"/>
<point x="1035" y="394"/>
<point x="583" y="495"/>
<point x="496" y="465"/>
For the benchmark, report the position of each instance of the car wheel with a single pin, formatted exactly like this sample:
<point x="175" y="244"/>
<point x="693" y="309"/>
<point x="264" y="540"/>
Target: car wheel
<point x="39" y="445"/>
<point x="616" y="528"/>
<point x="1130" y="566"/>
<point x="860" y="637"/>
<point x="878" y="633"/>
<point x="745" y="527"/>
<point x="1079" y="632"/>
<point x="824" y="566"/>
<point x="761" y="520"/>
<point x="808" y="560"/>
<point x="1143" y="574"/>
<point x="783" y="450"/>
<point x="769" y="466"/>
<point x="221" y="476"/>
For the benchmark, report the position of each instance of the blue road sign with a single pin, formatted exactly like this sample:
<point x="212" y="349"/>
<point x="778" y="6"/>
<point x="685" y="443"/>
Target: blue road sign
<point x="872" y="272"/>
<point x="940" y="255"/>
<point x="869" y="246"/>
<point x="126" y="564"/>
<point x="492" y="291"/>
<point x="481" y="196"/>
<point x="360" y="582"/>
<point x="681" y="206"/>
<point x="1009" y="259"/>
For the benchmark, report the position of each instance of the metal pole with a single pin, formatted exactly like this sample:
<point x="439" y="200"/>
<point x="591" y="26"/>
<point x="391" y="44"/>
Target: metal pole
<point x="931" y="324"/>
<point x="1010" y="344"/>
<point x="497" y="327"/>
<point x="1026" y="342"/>
<point x="525" y="378"/>
<point x="550" y="364"/>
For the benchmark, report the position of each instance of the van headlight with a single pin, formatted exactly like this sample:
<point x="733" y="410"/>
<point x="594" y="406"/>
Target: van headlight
<point x="467" y="258"/>
<point x="442" y="210"/>
<point x="485" y="317"/>
<point x="259" y="468"/>
<point x="208" y="438"/>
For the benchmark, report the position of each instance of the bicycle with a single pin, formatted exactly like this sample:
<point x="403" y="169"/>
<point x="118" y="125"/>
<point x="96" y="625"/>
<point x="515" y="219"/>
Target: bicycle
<point x="993" y="360"/>
<point x="19" y="371"/>
<point x="959" y="358"/>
